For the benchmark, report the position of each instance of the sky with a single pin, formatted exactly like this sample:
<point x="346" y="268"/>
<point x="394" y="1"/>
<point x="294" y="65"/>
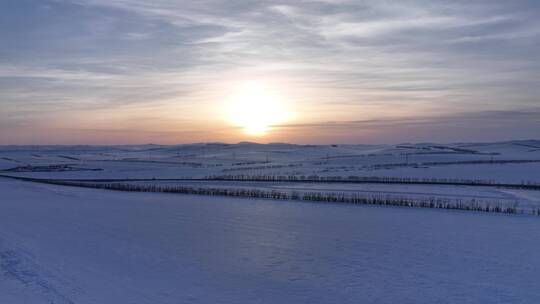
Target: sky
<point x="327" y="71"/>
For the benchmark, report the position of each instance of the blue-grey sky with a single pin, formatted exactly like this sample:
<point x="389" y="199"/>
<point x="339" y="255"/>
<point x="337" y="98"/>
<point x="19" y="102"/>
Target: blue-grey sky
<point x="165" y="71"/>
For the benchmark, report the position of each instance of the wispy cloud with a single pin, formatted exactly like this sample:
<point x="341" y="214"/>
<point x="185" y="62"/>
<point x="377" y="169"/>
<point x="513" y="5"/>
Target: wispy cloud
<point x="479" y="126"/>
<point x="334" y="60"/>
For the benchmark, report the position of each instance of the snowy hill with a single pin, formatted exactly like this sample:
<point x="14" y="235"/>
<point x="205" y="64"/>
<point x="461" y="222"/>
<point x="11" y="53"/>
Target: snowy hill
<point x="514" y="161"/>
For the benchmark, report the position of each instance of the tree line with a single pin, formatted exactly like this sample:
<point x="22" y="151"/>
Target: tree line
<point x="373" y="179"/>
<point x="322" y="197"/>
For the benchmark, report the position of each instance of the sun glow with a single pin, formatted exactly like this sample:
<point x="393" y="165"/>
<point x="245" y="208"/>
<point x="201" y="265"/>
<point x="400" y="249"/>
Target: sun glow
<point x="256" y="108"/>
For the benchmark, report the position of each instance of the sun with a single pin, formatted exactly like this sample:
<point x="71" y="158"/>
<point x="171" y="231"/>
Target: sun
<point x="255" y="108"/>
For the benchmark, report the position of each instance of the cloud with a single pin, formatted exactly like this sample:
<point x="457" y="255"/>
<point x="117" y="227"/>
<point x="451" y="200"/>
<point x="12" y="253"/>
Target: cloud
<point x="479" y="126"/>
<point x="529" y="115"/>
<point x="333" y="59"/>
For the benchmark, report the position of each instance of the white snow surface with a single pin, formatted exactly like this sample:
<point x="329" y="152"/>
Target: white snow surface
<point x="73" y="245"/>
<point x="424" y="160"/>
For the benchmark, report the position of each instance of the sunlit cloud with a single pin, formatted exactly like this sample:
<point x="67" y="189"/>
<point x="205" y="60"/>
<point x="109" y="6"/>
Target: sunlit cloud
<point x="178" y="61"/>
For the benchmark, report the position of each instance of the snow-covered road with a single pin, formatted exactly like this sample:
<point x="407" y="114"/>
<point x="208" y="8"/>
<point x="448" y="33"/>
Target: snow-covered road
<point x="71" y="245"/>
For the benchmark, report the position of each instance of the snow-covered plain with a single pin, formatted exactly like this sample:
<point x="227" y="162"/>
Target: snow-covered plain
<point x="486" y="161"/>
<point x="61" y="244"/>
<point x="512" y="162"/>
<point x="73" y="245"/>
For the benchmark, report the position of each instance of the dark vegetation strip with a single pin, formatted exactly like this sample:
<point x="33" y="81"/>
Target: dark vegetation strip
<point x="372" y="180"/>
<point x="68" y="157"/>
<point x="529" y="185"/>
<point x="357" y="199"/>
<point x="49" y="168"/>
<point x="451" y="163"/>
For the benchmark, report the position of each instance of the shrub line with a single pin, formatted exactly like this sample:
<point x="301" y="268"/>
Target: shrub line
<point x="357" y="199"/>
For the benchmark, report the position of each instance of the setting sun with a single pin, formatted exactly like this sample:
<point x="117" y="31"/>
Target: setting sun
<point x="255" y="108"/>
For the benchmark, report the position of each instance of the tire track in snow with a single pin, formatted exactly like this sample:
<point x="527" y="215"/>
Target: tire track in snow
<point x="16" y="265"/>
